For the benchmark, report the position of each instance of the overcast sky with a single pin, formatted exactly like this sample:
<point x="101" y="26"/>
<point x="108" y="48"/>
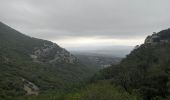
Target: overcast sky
<point x="83" y="23"/>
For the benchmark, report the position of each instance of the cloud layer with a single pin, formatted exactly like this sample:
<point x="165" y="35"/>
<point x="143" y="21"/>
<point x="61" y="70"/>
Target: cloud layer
<point x="66" y="20"/>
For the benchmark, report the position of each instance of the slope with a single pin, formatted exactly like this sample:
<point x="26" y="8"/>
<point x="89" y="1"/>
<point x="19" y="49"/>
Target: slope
<point x="146" y="70"/>
<point x="25" y="61"/>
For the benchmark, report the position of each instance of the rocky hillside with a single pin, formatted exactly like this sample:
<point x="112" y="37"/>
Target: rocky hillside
<point x="38" y="50"/>
<point x="143" y="75"/>
<point x="43" y="65"/>
<point x="161" y="37"/>
<point x="52" y="53"/>
<point x="146" y="70"/>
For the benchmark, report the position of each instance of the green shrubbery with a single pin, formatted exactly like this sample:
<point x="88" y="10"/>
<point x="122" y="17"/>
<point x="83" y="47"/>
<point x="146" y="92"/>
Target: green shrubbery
<point x="16" y="64"/>
<point x="101" y="90"/>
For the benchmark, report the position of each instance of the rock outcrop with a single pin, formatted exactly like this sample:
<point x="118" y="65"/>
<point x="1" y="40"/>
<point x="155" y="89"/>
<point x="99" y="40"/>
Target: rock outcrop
<point x="52" y="53"/>
<point x="30" y="87"/>
<point x="156" y="38"/>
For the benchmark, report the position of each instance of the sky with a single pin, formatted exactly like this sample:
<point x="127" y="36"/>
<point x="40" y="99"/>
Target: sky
<point x="87" y="23"/>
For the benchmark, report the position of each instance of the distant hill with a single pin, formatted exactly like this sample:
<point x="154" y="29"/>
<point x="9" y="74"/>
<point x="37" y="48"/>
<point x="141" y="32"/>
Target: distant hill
<point x="97" y="60"/>
<point x="31" y="66"/>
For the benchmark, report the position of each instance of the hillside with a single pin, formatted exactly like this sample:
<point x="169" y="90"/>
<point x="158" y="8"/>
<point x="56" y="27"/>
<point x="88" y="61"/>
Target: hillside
<point x="33" y="66"/>
<point x="143" y="75"/>
<point x="146" y="70"/>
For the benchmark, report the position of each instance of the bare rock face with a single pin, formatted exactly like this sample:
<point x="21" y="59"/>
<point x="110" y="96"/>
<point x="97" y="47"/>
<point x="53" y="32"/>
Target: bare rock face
<point x="4" y="60"/>
<point x="52" y="53"/>
<point x="152" y="39"/>
<point x="155" y="38"/>
<point x="30" y="87"/>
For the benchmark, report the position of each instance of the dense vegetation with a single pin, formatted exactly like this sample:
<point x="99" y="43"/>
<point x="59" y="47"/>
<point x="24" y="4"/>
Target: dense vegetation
<point x="100" y="90"/>
<point x="16" y="64"/>
<point x="143" y="75"/>
<point x="145" y="71"/>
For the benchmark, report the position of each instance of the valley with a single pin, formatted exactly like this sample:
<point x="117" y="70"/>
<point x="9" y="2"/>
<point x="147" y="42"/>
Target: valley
<point x="36" y="69"/>
<point x="99" y="61"/>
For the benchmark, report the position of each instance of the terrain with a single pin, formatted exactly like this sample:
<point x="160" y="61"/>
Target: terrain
<point x="145" y="71"/>
<point x="35" y="69"/>
<point x="31" y="66"/>
<point x="99" y="61"/>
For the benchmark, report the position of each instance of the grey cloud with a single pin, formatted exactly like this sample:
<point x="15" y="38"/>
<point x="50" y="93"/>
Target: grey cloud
<point x="57" y="19"/>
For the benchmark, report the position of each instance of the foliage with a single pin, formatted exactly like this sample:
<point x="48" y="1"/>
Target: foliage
<point x="101" y="90"/>
<point x="146" y="70"/>
<point x="16" y="64"/>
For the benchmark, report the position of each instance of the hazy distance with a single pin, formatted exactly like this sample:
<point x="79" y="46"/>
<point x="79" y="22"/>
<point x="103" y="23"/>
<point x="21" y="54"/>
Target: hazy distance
<point x="88" y="24"/>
